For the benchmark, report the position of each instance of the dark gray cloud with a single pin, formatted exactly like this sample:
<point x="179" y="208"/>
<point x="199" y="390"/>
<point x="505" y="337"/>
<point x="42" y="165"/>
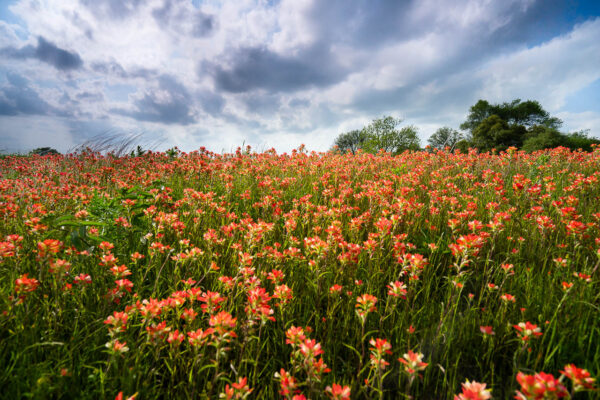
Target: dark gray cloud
<point x="366" y="24"/>
<point x="170" y="103"/>
<point x="203" y="25"/>
<point x="59" y="58"/>
<point x="453" y="94"/>
<point x="17" y="97"/>
<point x="260" y="68"/>
<point x="90" y="97"/>
<point x="540" y="22"/>
<point x="262" y="103"/>
<point x="80" y="22"/>
<point x="189" y="21"/>
<point x="114" y="69"/>
<point x="47" y="52"/>
<point x="212" y="103"/>
<point x="162" y="15"/>
<point x="299" y="103"/>
<point x="372" y="25"/>
<point x="117" y="9"/>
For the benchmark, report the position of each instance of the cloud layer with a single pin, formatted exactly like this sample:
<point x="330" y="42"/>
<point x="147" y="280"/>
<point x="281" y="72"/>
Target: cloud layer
<point x="281" y="73"/>
<point x="46" y="52"/>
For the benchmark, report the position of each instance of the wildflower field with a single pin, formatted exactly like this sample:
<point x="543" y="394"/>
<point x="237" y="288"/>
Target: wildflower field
<point x="428" y="275"/>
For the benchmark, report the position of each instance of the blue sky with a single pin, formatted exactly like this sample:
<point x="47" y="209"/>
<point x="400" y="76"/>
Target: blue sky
<point x="193" y="73"/>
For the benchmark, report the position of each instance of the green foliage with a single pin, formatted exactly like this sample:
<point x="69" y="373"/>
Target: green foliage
<point x="579" y="140"/>
<point x="545" y="138"/>
<point x="527" y="114"/>
<point x="445" y="137"/>
<point x="524" y="125"/>
<point x="463" y="145"/>
<point x="495" y="133"/>
<point x="381" y="134"/>
<point x="138" y="152"/>
<point x="351" y="141"/>
<point x="541" y="137"/>
<point x="44" y="151"/>
<point x="173" y="152"/>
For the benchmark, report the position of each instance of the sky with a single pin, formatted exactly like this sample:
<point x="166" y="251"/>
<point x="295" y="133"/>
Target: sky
<point x="278" y="74"/>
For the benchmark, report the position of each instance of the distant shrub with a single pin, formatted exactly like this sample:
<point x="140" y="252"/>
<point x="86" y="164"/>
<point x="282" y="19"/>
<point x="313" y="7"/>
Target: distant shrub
<point x="44" y="151"/>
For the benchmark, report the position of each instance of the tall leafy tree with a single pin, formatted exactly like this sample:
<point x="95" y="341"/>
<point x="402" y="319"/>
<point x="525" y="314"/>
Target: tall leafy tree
<point x="351" y="141"/>
<point x="495" y="133"/>
<point x="526" y="113"/>
<point x="385" y="134"/>
<point x="381" y="134"/>
<point x="445" y="137"/>
<point x="499" y="126"/>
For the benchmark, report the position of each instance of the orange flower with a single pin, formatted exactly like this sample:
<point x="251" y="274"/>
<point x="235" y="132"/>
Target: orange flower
<point x="364" y="305"/>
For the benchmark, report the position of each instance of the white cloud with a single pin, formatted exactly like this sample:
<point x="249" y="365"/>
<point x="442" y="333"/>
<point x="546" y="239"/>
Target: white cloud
<point x="426" y="61"/>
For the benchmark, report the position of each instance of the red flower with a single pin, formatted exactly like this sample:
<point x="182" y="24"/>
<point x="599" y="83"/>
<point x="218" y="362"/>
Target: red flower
<point x="539" y="386"/>
<point x="238" y="390"/>
<point x="487" y="330"/>
<point x="199" y="336"/>
<point x="24" y="284"/>
<point x="379" y="347"/>
<point x="413" y="362"/>
<point x="580" y="377"/>
<point x="338" y="392"/>
<point x="397" y="289"/>
<point x="335" y="289"/>
<point x="473" y="391"/>
<point x="287" y="382"/>
<point x="526" y="330"/>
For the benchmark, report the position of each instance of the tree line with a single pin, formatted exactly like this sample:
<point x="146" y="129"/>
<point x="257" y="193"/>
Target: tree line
<point x="489" y="127"/>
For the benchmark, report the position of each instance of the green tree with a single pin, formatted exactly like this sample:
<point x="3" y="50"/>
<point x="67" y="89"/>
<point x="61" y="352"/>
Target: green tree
<point x="515" y="123"/>
<point x="495" y="133"/>
<point x="384" y="134"/>
<point x="528" y="114"/>
<point x="351" y="141"/>
<point x="445" y="137"/>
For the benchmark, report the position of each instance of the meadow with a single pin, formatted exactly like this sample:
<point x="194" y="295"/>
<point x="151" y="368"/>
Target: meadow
<point x="427" y="275"/>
